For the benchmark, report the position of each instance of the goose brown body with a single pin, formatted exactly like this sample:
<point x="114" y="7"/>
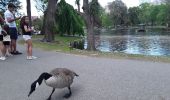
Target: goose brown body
<point x="61" y="77"/>
<point x="57" y="78"/>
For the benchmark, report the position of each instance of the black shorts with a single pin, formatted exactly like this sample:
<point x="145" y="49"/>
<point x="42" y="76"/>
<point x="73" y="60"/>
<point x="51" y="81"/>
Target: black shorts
<point x="13" y="33"/>
<point x="1" y="37"/>
<point x="6" y="42"/>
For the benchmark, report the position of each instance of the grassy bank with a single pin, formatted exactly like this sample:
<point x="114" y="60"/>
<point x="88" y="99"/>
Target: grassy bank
<point x="62" y="45"/>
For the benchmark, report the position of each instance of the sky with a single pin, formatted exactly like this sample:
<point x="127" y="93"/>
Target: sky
<point x="129" y="3"/>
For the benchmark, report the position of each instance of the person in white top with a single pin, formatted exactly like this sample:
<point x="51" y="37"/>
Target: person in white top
<point x="2" y="56"/>
<point x="10" y="20"/>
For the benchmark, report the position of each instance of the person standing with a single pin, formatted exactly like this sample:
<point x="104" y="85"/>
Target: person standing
<point x="26" y="31"/>
<point x="2" y="56"/>
<point x="10" y="20"/>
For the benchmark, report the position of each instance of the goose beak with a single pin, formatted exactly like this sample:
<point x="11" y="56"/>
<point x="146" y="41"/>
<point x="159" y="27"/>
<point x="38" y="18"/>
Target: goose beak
<point x="29" y="94"/>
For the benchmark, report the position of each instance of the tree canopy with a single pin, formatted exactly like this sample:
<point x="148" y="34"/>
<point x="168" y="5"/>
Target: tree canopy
<point x="68" y="20"/>
<point x="4" y="3"/>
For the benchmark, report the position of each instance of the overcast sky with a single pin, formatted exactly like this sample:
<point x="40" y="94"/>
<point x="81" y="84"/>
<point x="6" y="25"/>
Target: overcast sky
<point x="129" y="3"/>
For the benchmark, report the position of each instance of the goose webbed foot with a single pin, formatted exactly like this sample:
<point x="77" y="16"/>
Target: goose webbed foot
<point x="49" y="98"/>
<point x="68" y="94"/>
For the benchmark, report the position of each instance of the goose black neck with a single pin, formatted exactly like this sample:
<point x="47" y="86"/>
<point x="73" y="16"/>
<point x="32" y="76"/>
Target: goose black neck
<point x="43" y="76"/>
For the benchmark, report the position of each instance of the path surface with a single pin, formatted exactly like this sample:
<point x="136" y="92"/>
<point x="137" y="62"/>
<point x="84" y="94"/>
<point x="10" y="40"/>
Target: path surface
<point x="100" y="78"/>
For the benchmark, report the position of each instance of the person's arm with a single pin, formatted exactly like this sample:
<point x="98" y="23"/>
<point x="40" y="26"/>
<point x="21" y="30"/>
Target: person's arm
<point x="27" y="29"/>
<point x="11" y="20"/>
<point x="1" y="19"/>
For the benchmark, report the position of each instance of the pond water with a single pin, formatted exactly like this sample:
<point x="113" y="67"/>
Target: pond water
<point x="152" y="42"/>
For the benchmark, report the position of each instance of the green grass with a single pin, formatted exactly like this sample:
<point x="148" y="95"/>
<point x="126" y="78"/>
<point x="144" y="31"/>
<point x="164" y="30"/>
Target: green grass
<point x="62" y="45"/>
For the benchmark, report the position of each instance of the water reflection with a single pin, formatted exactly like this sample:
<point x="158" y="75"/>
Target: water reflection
<point x="149" y="43"/>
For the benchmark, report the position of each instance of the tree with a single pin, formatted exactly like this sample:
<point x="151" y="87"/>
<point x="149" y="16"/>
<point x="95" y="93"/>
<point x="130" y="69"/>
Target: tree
<point x="29" y="11"/>
<point x="41" y="5"/>
<point x="154" y="10"/>
<point x="91" y="16"/>
<point x="118" y="12"/>
<point x="106" y="19"/>
<point x="68" y="20"/>
<point x="133" y="14"/>
<point x="49" y="21"/>
<point x="4" y="3"/>
<point x="78" y="4"/>
<point x="144" y="14"/>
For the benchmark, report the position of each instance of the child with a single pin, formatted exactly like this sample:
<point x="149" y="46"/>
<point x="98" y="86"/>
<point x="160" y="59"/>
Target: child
<point x="6" y="41"/>
<point x="26" y="30"/>
<point x="2" y="56"/>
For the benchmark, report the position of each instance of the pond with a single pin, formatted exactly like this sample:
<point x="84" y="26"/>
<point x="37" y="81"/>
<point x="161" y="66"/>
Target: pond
<point x="154" y="42"/>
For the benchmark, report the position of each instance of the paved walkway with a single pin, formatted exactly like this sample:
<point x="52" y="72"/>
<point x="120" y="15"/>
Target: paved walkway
<point x="100" y="78"/>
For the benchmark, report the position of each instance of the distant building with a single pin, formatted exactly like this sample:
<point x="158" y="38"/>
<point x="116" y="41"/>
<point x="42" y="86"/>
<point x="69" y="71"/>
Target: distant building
<point x="34" y="17"/>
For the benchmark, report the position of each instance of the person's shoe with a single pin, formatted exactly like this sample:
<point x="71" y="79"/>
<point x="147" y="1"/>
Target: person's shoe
<point x="13" y="53"/>
<point x="9" y="55"/>
<point x="33" y="57"/>
<point x="29" y="58"/>
<point x="17" y="52"/>
<point x="2" y="58"/>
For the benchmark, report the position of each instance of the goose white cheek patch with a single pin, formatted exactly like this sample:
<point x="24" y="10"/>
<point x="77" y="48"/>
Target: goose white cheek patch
<point x="37" y="85"/>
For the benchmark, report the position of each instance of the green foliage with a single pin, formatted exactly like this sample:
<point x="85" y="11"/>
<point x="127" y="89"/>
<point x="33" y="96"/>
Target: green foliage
<point x="37" y="23"/>
<point x="154" y="14"/>
<point x="144" y="14"/>
<point x="106" y="20"/>
<point x="4" y="3"/>
<point x="94" y="8"/>
<point x="118" y="12"/>
<point x="41" y="5"/>
<point x="69" y="22"/>
<point x="133" y="14"/>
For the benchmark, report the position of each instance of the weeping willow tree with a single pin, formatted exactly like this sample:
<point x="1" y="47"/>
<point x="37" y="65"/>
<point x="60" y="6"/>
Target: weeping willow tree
<point x="69" y="21"/>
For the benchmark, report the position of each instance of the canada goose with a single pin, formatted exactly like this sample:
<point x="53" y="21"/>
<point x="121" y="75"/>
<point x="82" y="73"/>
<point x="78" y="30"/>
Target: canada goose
<point x="57" y="78"/>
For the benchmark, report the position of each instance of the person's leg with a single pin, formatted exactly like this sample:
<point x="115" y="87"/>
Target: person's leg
<point x="2" y="56"/>
<point x="13" y="45"/>
<point x="1" y="45"/>
<point x="14" y="37"/>
<point x="29" y="47"/>
<point x="8" y="50"/>
<point x="5" y="50"/>
<point x="2" y="48"/>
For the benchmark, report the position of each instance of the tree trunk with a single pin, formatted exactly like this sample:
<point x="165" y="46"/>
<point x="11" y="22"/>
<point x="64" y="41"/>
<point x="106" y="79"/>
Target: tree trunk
<point x="78" y="8"/>
<point x="90" y="36"/>
<point x="90" y="26"/>
<point x="43" y="26"/>
<point x="49" y="21"/>
<point x="29" y="11"/>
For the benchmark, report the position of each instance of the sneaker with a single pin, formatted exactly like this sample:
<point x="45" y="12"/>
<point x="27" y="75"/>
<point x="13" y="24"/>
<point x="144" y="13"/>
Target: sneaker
<point x="16" y="53"/>
<point x="2" y="58"/>
<point x="9" y="55"/>
<point x="33" y="57"/>
<point x="29" y="58"/>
